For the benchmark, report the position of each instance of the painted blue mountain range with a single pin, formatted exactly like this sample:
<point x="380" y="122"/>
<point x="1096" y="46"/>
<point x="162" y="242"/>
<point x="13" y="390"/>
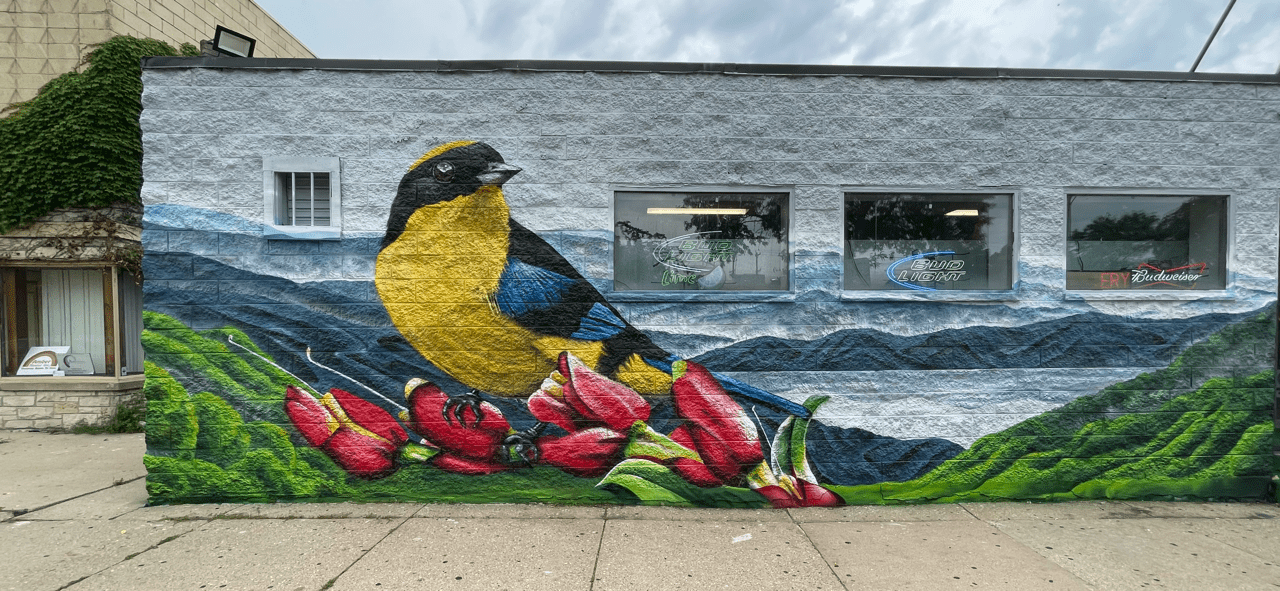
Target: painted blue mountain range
<point x="1090" y="339"/>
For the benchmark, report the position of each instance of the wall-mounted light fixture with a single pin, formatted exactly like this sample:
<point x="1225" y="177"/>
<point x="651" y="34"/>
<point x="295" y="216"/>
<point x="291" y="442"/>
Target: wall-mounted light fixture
<point x="228" y="42"/>
<point x="963" y="212"/>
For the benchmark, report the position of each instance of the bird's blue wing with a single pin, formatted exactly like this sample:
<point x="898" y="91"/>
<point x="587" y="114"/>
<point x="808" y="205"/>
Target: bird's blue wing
<point x="599" y="324"/>
<point x="525" y="289"/>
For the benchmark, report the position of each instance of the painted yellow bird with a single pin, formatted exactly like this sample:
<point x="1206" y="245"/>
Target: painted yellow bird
<point x="489" y="302"/>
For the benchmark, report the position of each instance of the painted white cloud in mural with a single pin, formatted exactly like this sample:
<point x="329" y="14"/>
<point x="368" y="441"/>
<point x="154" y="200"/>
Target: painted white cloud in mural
<point x="1134" y="35"/>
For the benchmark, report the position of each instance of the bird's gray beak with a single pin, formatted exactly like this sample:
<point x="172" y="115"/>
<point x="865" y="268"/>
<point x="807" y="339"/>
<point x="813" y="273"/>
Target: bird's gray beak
<point x="498" y="173"/>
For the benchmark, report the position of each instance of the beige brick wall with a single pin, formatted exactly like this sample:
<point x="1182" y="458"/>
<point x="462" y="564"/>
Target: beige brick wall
<point x="74" y="235"/>
<point x="42" y="39"/>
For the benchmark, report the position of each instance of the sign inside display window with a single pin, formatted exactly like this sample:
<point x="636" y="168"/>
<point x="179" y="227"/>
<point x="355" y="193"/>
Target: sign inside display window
<point x="701" y="241"/>
<point x="42" y="361"/>
<point x="1146" y="242"/>
<point x="77" y="365"/>
<point x="914" y="270"/>
<point x="928" y="241"/>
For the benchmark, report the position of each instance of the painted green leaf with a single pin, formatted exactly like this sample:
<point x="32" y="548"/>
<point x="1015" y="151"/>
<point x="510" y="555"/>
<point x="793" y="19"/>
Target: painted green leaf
<point x="646" y="491"/>
<point x="790" y="455"/>
<point x="646" y="443"/>
<point x="648" y="481"/>
<point x="414" y="452"/>
<point x="655" y="484"/>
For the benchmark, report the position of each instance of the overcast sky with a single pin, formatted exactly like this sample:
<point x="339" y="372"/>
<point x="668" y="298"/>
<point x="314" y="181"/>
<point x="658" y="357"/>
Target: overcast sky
<point x="1106" y="34"/>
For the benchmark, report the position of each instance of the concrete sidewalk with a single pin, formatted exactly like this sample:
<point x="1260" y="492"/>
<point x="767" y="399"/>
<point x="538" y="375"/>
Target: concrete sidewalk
<point x="74" y="519"/>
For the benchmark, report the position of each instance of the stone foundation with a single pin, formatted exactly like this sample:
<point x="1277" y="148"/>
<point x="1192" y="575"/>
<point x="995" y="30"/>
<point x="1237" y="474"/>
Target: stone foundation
<point x="60" y="403"/>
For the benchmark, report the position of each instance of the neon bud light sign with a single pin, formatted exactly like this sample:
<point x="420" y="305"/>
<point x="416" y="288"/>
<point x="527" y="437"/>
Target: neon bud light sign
<point x="919" y="268"/>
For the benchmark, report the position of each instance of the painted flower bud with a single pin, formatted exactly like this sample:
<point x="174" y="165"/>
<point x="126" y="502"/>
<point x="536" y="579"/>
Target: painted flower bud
<point x="359" y="454"/>
<point x="788" y="491"/>
<point x="693" y="471"/>
<point x="368" y="415"/>
<point x="454" y="463"/>
<point x="464" y="439"/>
<point x="308" y="416"/>
<point x="778" y="497"/>
<point x="599" y="399"/>
<point x="721" y="431"/>
<point x="588" y="453"/>
<point x="548" y="405"/>
<point x="358" y="435"/>
<point x="817" y="496"/>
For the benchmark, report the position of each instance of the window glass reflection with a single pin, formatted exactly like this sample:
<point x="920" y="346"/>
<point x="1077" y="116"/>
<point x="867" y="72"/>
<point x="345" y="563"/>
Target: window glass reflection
<point x="1146" y="242"/>
<point x="59" y="307"/>
<point x="701" y="241"/>
<point x="928" y="241"/>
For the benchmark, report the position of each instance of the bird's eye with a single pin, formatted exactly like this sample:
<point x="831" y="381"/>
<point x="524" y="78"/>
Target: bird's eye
<point x="444" y="172"/>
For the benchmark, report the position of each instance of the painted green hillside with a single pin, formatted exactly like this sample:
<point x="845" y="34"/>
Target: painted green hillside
<point x="1201" y="428"/>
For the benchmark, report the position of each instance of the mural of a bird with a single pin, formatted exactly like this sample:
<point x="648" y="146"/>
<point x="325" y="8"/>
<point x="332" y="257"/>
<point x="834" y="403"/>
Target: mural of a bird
<point x="492" y="304"/>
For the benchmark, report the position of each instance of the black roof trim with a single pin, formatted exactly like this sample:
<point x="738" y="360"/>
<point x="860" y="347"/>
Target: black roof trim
<point x="686" y="68"/>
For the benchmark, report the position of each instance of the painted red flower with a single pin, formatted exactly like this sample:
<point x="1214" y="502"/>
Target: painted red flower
<point x="355" y="433"/>
<point x="454" y="463"/>
<point x="574" y="397"/>
<point x="787" y="492"/>
<point x="718" y="429"/>
<point x="588" y="453"/>
<point x="467" y="446"/>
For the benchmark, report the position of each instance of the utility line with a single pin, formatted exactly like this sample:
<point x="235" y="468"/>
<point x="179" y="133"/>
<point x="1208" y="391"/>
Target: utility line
<point x="1209" y="41"/>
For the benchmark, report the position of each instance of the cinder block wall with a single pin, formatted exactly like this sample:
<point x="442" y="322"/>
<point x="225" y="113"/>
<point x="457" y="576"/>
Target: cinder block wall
<point x="43" y="39"/>
<point x="578" y="135"/>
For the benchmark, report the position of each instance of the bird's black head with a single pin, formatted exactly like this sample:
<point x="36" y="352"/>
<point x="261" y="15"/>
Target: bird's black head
<point x="445" y="172"/>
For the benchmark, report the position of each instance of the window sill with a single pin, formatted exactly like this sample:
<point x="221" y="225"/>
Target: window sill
<point x="63" y="383"/>
<point x="929" y="296"/>
<point x="271" y="232"/>
<point x="701" y="296"/>
<point x="1152" y="296"/>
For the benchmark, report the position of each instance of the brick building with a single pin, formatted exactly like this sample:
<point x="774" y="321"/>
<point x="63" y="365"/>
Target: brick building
<point x="41" y="39"/>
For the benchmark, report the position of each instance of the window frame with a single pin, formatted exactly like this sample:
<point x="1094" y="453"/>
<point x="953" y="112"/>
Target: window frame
<point x="113" y="331"/>
<point x="951" y="295"/>
<point x="1227" y="293"/>
<point x="788" y="294"/>
<point x="271" y="165"/>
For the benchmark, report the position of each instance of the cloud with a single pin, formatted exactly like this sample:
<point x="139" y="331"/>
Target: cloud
<point x="1104" y="34"/>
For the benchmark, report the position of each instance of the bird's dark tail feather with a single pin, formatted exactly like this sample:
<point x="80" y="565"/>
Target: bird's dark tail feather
<point x="737" y="388"/>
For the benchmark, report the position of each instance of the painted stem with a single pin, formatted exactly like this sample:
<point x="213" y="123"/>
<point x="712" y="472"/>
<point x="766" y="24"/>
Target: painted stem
<point x="354" y="381"/>
<point x="231" y="339"/>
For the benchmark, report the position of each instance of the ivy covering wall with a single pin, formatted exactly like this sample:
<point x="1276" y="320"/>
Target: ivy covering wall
<point x="78" y="144"/>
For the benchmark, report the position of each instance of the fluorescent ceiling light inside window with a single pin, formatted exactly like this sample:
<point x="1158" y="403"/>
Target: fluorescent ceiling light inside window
<point x="963" y="212"/>
<point x="696" y="211"/>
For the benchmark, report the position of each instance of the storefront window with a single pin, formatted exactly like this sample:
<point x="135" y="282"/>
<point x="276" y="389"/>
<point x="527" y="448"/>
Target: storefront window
<point x="1145" y="242"/>
<point x="701" y="241"/>
<point x="62" y="320"/>
<point x="928" y="241"/>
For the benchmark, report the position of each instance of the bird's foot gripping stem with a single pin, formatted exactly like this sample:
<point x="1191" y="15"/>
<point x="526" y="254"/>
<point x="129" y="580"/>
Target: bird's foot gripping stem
<point x="521" y="447"/>
<point x="457" y="405"/>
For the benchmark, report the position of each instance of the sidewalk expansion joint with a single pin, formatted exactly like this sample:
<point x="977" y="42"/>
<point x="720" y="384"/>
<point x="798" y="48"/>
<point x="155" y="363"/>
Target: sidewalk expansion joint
<point x="595" y="566"/>
<point x="19" y="512"/>
<point x="128" y="558"/>
<point x="330" y="583"/>
<point x="815" y="547"/>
